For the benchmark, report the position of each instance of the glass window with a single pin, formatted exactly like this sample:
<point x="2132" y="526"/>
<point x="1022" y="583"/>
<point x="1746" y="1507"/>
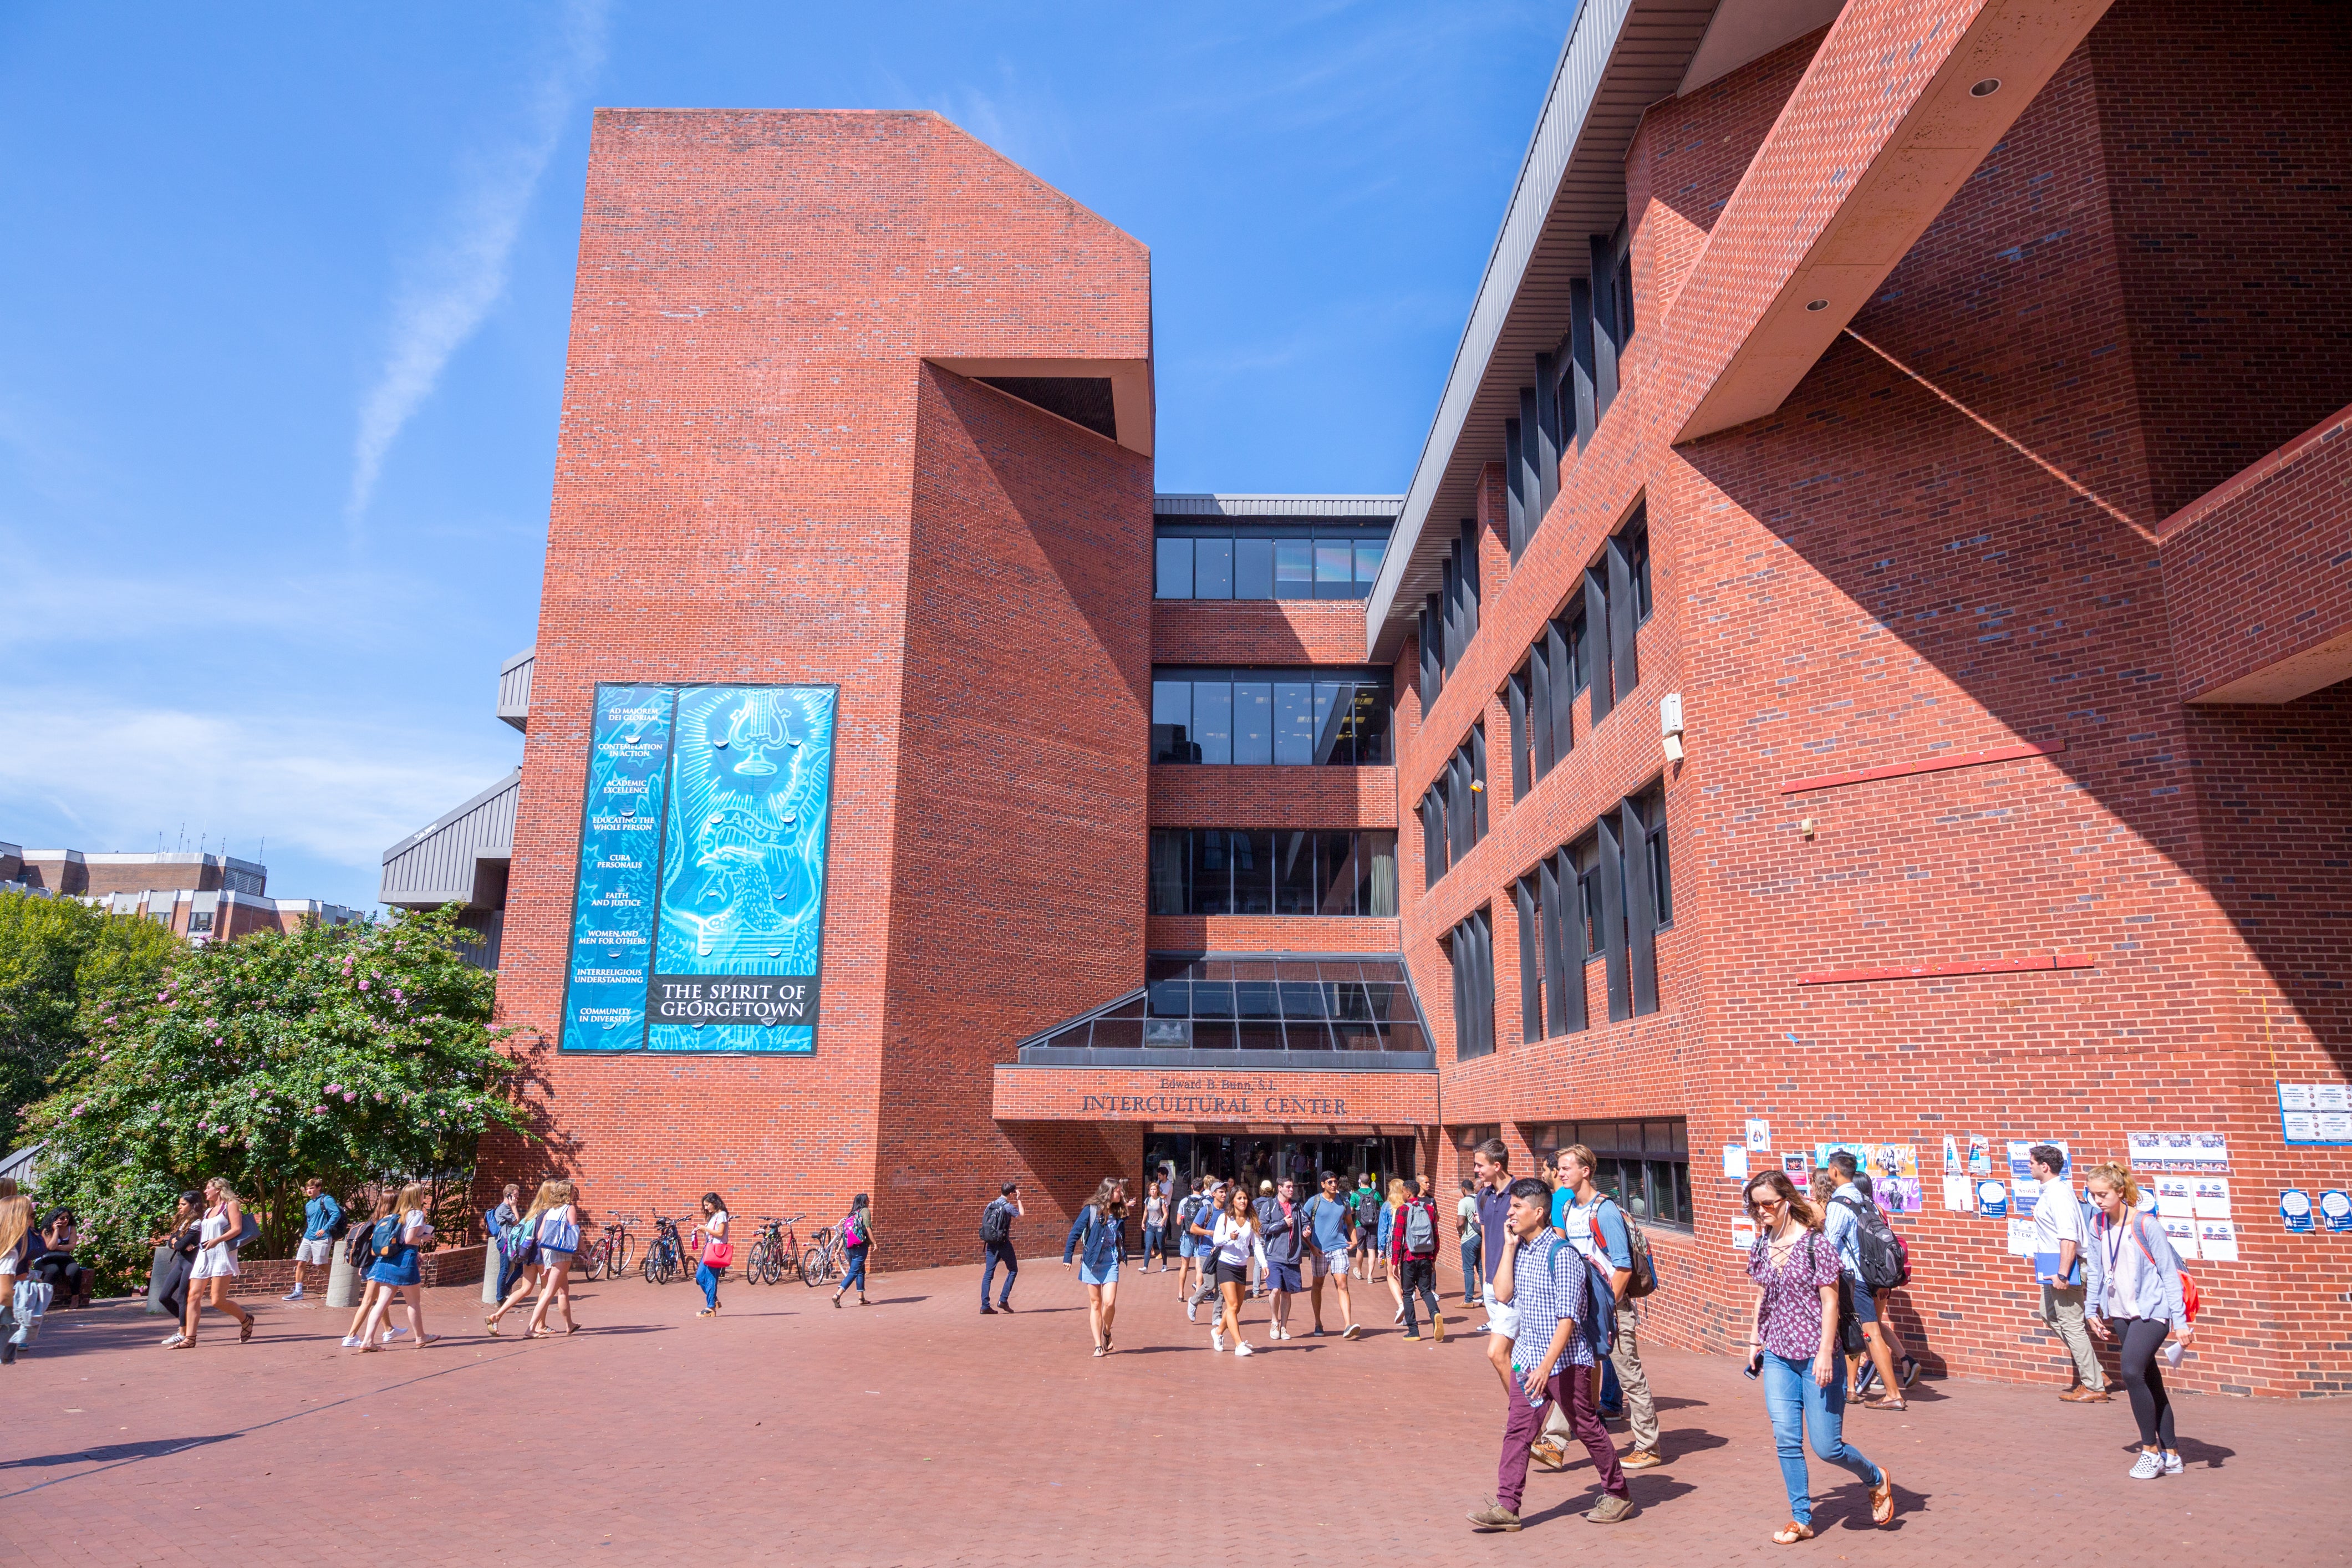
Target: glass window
<point x="1253" y="855"/>
<point x="1294" y="874"/>
<point x="1662" y="881"/>
<point x="1170" y="998"/>
<point x="1293" y="569"/>
<point x="1338" y="873"/>
<point x="1334" y="703"/>
<point x="1213" y="998"/>
<point x="1212" y="568"/>
<point x="1172" y="576"/>
<point x="1253" y="568"/>
<point x="1294" y="722"/>
<point x="1370" y="720"/>
<point x="1257" y="999"/>
<point x="1368" y="564"/>
<point x="1212" y="873"/>
<point x="1335" y="569"/>
<point x="1252" y="722"/>
<point x="1212" y="720"/>
<point x="1172" y="722"/>
<point x="1170" y="863"/>
<point x="1377" y="890"/>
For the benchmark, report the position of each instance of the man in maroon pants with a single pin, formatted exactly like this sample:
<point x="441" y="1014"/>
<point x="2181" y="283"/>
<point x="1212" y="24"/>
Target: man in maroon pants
<point x="1552" y="1360"/>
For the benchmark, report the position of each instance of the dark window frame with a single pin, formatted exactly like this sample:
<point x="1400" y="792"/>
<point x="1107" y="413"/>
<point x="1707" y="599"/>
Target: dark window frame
<point x="1176" y="858"/>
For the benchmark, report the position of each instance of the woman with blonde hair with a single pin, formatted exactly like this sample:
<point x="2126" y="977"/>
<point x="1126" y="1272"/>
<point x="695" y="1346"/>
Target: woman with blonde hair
<point x="559" y="1237"/>
<point x="380" y="1204"/>
<point x="527" y="1267"/>
<point x="1098" y="1236"/>
<point x="1233" y="1242"/>
<point x="15" y="1249"/>
<point x="1792" y="1346"/>
<point x="216" y="1264"/>
<point x="1390" y="1207"/>
<point x="2132" y="1294"/>
<point x="398" y="1240"/>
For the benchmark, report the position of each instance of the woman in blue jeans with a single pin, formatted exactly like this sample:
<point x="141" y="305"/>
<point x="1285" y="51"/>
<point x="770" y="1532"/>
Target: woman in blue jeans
<point x="856" y="1242"/>
<point x="718" y="1252"/>
<point x="1794" y="1348"/>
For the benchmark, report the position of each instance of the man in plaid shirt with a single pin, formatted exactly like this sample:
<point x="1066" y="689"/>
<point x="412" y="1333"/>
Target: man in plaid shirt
<point x="1551" y="1358"/>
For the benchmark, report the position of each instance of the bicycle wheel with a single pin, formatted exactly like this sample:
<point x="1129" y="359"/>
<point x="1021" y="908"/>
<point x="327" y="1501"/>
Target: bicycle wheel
<point x="788" y="1265"/>
<point x="651" y="1266"/>
<point x="592" y="1262"/>
<point x="770" y="1262"/>
<point x="812" y="1268"/>
<point x="621" y="1253"/>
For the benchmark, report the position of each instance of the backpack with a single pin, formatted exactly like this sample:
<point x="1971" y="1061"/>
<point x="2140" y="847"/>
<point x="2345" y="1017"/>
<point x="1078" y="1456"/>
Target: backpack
<point x="2191" y="1297"/>
<point x="1420" y="1230"/>
<point x="1645" y="1275"/>
<point x="995" y="1222"/>
<point x="1879" y="1256"/>
<point x="516" y="1240"/>
<point x="853" y="1230"/>
<point x="1599" y="1329"/>
<point x="343" y="1226"/>
<point x="385" y="1239"/>
<point x="1366" y="1206"/>
<point x="358" y="1250"/>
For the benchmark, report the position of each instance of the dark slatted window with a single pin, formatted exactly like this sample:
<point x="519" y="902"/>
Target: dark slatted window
<point x="1471" y="947"/>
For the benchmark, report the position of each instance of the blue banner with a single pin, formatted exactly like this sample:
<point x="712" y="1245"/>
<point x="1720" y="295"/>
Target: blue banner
<point x="730" y="919"/>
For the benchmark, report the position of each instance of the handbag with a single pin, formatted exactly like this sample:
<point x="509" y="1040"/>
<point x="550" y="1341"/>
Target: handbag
<point x="717" y="1253"/>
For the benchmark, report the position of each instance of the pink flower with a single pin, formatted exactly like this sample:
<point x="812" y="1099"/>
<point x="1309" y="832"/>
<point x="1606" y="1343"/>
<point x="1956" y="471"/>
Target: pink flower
<point x="350" y="1095"/>
<point x="219" y="1041"/>
<point x="363" y="985"/>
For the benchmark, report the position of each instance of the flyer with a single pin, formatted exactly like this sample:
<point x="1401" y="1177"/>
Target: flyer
<point x="2173" y="1196"/>
<point x="1992" y="1200"/>
<point x="1735" y="1161"/>
<point x="2331" y="1097"/>
<point x="1979" y="1156"/>
<point x="2216" y="1241"/>
<point x="1959" y="1193"/>
<point x="1792" y="1164"/>
<point x="1759" y="1136"/>
<point x="2021" y="1233"/>
<point x="1743" y="1234"/>
<point x="2210" y="1196"/>
<point x="2336" y="1208"/>
<point x="2192" y="1154"/>
<point x="2294" y="1209"/>
<point x="2181" y="1231"/>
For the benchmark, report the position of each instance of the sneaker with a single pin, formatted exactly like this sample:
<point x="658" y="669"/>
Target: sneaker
<point x="1494" y="1516"/>
<point x="1413" y="1333"/>
<point x="1353" y="1331"/>
<point x="2171" y="1464"/>
<point x="349" y="1341"/>
<point x="1192" y="1312"/>
<point x="392" y="1334"/>
<point x="1217" y="1339"/>
<point x="1549" y="1453"/>
<point x="1317" y="1331"/>
<point x="1641" y="1459"/>
<point x="2148" y="1467"/>
<point x="1242" y="1347"/>
<point x="1612" y="1508"/>
<point x="293" y="1295"/>
<point x="176" y="1341"/>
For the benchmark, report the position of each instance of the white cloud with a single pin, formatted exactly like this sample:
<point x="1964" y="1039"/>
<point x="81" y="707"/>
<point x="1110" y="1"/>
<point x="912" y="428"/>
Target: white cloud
<point x="452" y="287"/>
<point x="338" y="791"/>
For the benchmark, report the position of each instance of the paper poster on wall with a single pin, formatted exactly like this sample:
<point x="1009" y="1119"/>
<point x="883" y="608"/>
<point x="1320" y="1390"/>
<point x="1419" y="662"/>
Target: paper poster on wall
<point x="2181" y="1231"/>
<point x="1894" y="1177"/>
<point x="2316" y="1113"/>
<point x="2294" y="1209"/>
<point x="2209" y="1196"/>
<point x="1759" y="1137"/>
<point x="2022" y="1236"/>
<point x="1992" y="1200"/>
<point x="1961" y="1194"/>
<point x="2174" y="1196"/>
<point x="2191" y="1154"/>
<point x="1735" y="1161"/>
<point x="1743" y="1234"/>
<point x="1979" y="1155"/>
<point x="1951" y="1155"/>
<point x="1792" y="1165"/>
<point x="698" y="910"/>
<point x="2216" y="1241"/>
<point x="2336" y="1209"/>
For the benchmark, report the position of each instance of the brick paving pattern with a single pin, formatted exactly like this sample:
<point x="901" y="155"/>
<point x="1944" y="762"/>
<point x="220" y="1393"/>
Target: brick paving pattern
<point x="917" y="1431"/>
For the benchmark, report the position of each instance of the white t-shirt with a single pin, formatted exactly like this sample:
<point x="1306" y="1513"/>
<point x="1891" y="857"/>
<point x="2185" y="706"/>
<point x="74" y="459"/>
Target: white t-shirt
<point x="1235" y="1240"/>
<point x="1467" y="1210"/>
<point x="715" y="1227"/>
<point x="2057" y="1217"/>
<point x="1577" y="1223"/>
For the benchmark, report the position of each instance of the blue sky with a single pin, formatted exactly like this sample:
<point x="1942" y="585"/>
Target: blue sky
<point x="287" y="295"/>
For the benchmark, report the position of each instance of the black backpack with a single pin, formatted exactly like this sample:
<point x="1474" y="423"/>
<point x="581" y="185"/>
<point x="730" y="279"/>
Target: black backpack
<point x="1880" y="1257"/>
<point x="343" y="1226"/>
<point x="995" y="1222"/>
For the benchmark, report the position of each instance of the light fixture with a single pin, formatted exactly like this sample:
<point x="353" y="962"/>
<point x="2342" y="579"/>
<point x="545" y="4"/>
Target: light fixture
<point x="1806" y="828"/>
<point x="1670" y="725"/>
<point x="1817" y="304"/>
<point x="1986" y="88"/>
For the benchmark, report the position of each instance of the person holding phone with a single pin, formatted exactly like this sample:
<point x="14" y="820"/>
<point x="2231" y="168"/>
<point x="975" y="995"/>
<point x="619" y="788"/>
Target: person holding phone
<point x="1792" y="1347"/>
<point x="718" y="1252"/>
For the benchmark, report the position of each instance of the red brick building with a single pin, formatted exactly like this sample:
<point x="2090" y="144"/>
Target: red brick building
<point x="1859" y="660"/>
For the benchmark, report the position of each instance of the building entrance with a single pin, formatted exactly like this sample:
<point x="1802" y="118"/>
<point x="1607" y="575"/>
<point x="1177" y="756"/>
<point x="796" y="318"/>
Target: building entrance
<point x="1256" y="1157"/>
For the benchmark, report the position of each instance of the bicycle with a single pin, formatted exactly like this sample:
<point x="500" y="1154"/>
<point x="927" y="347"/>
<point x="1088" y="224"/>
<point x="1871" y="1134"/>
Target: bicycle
<point x="823" y="1263"/>
<point x="665" y="1258"/>
<point x="609" y="1253"/>
<point x="774" y="1252"/>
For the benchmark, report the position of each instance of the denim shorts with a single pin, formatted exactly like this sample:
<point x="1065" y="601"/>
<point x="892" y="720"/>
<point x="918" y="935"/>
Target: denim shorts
<point x="1280" y="1276"/>
<point x="1865" y="1302"/>
<point x="1108" y="1277"/>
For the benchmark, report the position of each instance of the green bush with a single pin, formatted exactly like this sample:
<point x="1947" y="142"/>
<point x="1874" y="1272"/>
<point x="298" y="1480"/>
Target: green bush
<point x="55" y="956"/>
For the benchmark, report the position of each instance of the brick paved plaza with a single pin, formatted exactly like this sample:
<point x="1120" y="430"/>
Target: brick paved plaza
<point x="918" y="1431"/>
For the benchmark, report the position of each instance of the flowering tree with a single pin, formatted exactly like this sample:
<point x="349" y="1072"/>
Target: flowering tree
<point x="55" y="956"/>
<point x="346" y="1053"/>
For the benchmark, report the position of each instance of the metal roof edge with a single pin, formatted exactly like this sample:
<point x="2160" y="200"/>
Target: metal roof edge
<point x="513" y="779"/>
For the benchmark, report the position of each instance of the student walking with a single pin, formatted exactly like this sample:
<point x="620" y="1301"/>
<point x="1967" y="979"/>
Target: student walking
<point x="1465" y="1233"/>
<point x="1155" y="1228"/>
<point x="1390" y="1204"/>
<point x="1849" y="1210"/>
<point x="223" y="1223"/>
<point x="1329" y="1220"/>
<point x="322" y="1220"/>
<point x="1412" y="1259"/>
<point x="857" y="1244"/>
<point x="359" y="1248"/>
<point x="1187" y="1248"/>
<point x="1597" y="1227"/>
<point x="1490" y="1164"/>
<point x="398" y="1240"/>
<point x="16" y="1251"/>
<point x="1202" y="1229"/>
<point x="2134" y="1297"/>
<point x="499" y="1221"/>
<point x="1549" y="1287"/>
<point x="2059" y="1258"/>
<point x="718" y="1252"/>
<point x="184" y="1236"/>
<point x="1792" y="1346"/>
<point x="996" y="1236"/>
<point x="1232" y="1243"/>
<point x="1095" y="1236"/>
<point x="525" y="1264"/>
<point x="558" y="1237"/>
<point x="1265" y="1205"/>
<point x="1283" y="1230"/>
<point x="1364" y="1202"/>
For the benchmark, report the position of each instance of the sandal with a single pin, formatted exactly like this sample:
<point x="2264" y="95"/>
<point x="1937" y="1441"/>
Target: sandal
<point x="490" y="1322"/>
<point x="571" y="1329"/>
<point x="1793" y="1532"/>
<point x="1907" y="1373"/>
<point x="245" y="1333"/>
<point x="1882" y="1499"/>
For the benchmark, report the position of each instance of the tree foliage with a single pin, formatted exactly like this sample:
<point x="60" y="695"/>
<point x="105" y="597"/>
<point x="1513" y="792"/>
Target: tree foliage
<point x="55" y="957"/>
<point x="350" y="1054"/>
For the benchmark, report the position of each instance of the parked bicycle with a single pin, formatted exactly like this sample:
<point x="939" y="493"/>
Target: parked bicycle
<point x="775" y="1252"/>
<point x="665" y="1258"/>
<point x="825" y="1262"/>
<point x="608" y="1255"/>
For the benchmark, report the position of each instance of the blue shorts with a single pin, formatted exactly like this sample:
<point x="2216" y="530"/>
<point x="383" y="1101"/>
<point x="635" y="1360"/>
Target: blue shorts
<point x="1108" y="1277"/>
<point x="1185" y="1246"/>
<point x="1865" y="1304"/>
<point x="1280" y="1276"/>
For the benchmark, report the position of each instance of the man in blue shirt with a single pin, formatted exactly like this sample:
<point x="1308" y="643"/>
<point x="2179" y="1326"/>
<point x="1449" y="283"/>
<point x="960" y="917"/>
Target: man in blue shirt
<point x="1592" y="1224"/>
<point x="1544" y="1281"/>
<point x="1842" y="1226"/>
<point x="321" y="1215"/>
<point x="1328" y="1223"/>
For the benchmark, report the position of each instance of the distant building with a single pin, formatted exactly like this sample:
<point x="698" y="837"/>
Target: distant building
<point x="461" y="856"/>
<point x="204" y="898"/>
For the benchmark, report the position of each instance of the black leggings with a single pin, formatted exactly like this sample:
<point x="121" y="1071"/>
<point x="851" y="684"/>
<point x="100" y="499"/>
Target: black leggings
<point x="2141" y="1338"/>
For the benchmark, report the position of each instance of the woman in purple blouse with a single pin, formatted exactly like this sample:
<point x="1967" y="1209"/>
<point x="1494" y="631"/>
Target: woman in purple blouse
<point x="1794" y="1348"/>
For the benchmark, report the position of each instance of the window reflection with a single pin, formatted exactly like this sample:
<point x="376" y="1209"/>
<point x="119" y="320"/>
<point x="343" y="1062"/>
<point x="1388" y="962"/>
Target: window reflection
<point x="1222" y="871"/>
<point x="1290" y="718"/>
<point x="1304" y="559"/>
